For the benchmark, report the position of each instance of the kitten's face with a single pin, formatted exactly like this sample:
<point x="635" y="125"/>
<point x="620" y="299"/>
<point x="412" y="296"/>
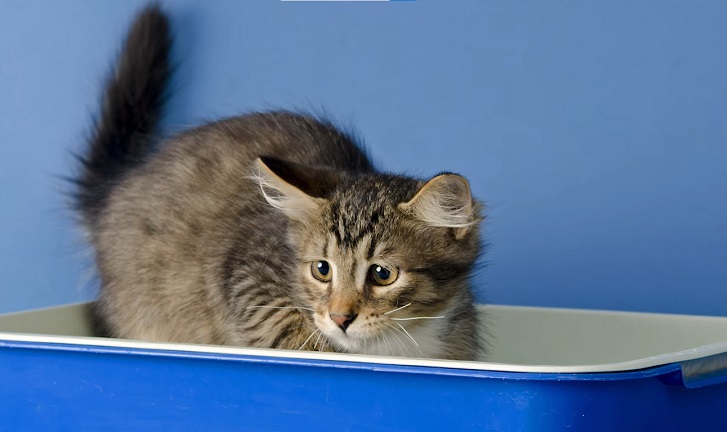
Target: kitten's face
<point x="381" y="259"/>
<point x="380" y="282"/>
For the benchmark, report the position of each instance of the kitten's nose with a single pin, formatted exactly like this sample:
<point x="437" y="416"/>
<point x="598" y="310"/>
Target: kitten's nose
<point x="343" y="320"/>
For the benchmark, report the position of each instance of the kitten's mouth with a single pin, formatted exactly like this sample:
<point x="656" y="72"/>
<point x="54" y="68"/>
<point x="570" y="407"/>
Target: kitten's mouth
<point x="350" y="343"/>
<point x="345" y="335"/>
<point x="373" y="337"/>
<point x="363" y="339"/>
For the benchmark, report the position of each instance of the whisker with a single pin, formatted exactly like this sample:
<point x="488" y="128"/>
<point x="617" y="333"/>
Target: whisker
<point x="416" y="318"/>
<point x="397" y="309"/>
<point x="404" y="332"/>
<point x="309" y="337"/>
<point x="401" y="344"/>
<point x="390" y="343"/>
<point x="315" y="346"/>
<point x="407" y="333"/>
<point x="386" y="340"/>
<point x="281" y="307"/>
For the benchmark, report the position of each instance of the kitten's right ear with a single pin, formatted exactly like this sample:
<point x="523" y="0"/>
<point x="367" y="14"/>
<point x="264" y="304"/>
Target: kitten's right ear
<point x="296" y="190"/>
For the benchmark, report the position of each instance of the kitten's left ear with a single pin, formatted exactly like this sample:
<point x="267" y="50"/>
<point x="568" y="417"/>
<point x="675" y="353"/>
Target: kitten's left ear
<point x="445" y="201"/>
<point x="295" y="189"/>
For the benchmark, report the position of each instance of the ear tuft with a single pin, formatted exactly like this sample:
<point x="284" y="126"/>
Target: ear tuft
<point x="444" y="201"/>
<point x="274" y="178"/>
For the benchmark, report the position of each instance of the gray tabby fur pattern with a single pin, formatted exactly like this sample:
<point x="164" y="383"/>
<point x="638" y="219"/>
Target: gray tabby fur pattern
<point x="267" y="230"/>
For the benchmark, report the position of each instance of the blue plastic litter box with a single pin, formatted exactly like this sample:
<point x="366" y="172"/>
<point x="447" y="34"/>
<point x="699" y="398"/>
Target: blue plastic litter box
<point x="546" y="369"/>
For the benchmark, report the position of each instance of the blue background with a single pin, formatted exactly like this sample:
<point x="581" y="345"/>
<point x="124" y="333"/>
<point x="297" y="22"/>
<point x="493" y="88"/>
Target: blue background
<point x="594" y="131"/>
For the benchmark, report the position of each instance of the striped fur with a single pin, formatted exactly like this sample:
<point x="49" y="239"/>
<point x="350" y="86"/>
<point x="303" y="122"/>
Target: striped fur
<point x="213" y="236"/>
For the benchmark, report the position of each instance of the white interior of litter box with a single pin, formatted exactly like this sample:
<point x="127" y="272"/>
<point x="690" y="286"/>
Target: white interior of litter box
<point x="521" y="339"/>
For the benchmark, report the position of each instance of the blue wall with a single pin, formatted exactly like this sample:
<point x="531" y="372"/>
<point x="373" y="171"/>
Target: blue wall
<point x="595" y="131"/>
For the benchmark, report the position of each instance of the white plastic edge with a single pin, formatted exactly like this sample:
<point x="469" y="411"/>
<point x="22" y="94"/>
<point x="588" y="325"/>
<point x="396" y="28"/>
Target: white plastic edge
<point x="643" y="363"/>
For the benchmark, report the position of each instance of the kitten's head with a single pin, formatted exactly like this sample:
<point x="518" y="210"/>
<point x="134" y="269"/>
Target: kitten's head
<point x="383" y="260"/>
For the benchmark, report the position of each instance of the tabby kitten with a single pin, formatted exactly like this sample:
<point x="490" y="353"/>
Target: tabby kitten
<point x="269" y="230"/>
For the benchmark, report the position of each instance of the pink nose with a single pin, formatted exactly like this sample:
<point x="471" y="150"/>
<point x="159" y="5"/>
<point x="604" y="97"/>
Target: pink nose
<point x="343" y="320"/>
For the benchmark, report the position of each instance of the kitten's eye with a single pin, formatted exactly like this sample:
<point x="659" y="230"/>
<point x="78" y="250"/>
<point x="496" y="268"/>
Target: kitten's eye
<point x="381" y="275"/>
<point x="321" y="270"/>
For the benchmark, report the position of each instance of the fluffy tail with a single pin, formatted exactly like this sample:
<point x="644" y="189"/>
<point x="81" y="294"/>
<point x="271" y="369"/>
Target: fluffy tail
<point x="131" y="108"/>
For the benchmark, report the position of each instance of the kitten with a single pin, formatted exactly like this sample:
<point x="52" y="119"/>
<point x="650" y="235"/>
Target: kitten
<point x="269" y="230"/>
